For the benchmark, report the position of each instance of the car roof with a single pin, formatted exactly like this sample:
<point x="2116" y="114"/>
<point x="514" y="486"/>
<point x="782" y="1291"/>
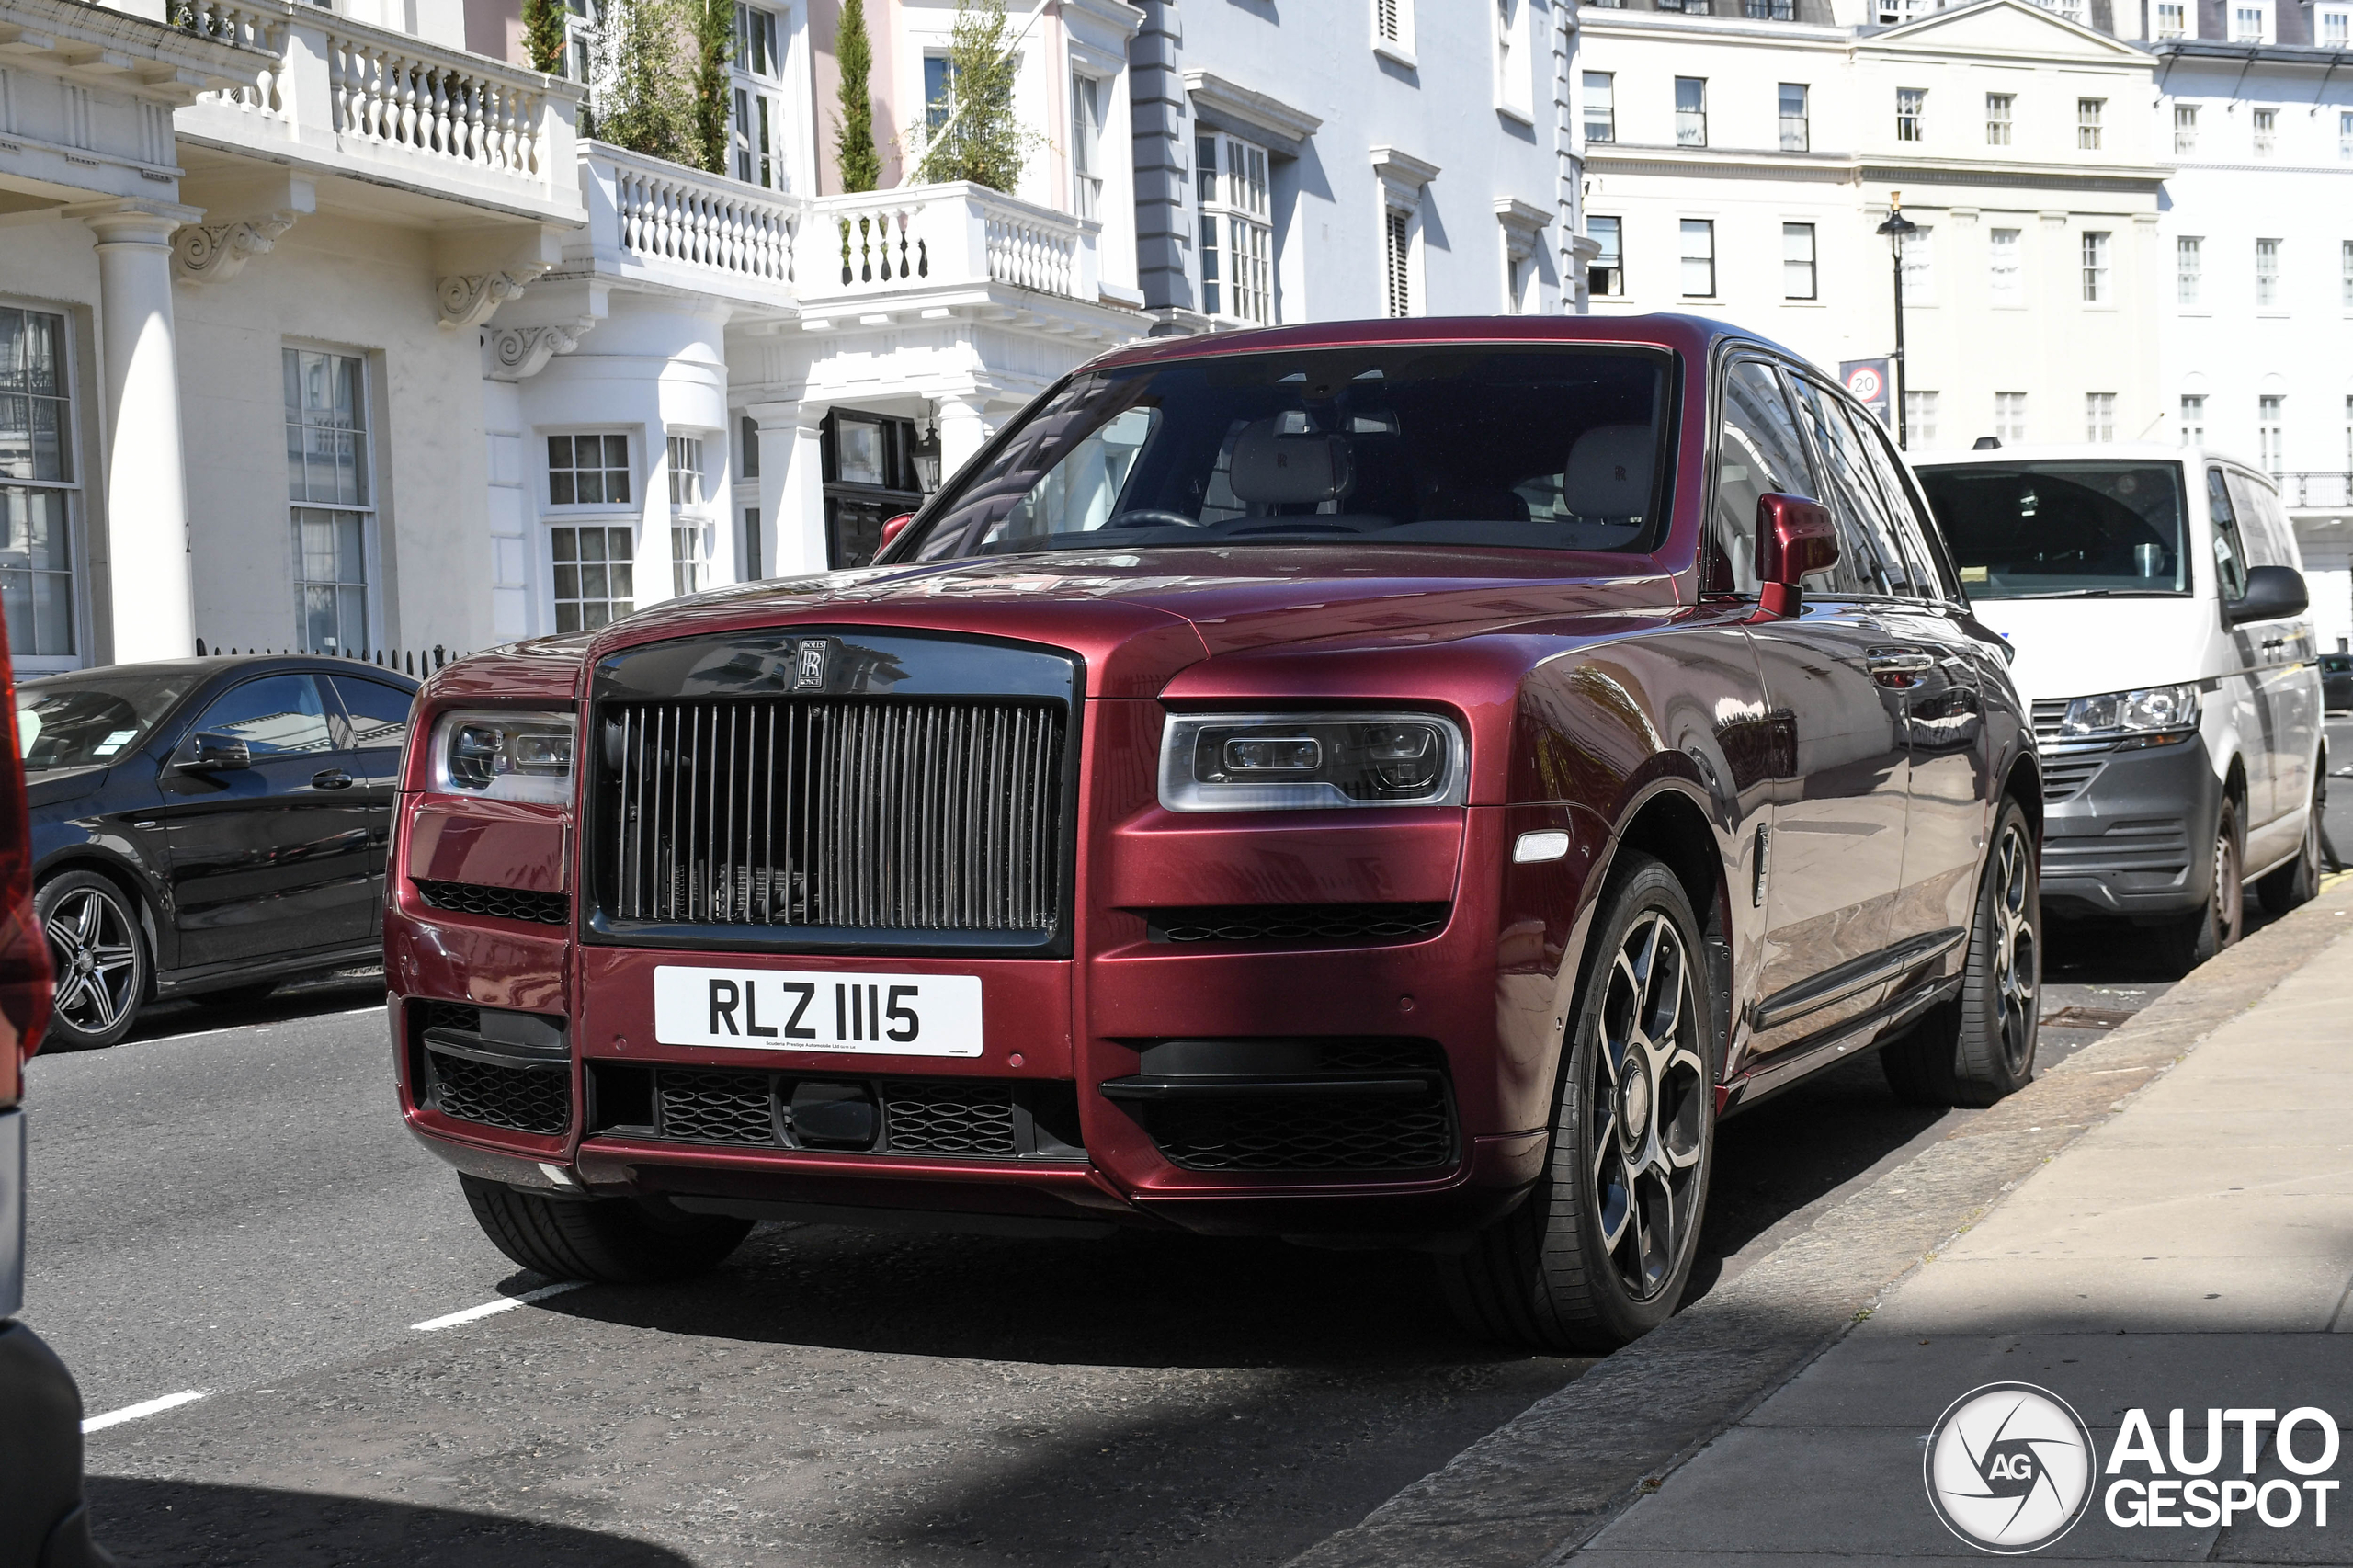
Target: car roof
<point x="2079" y="452"/>
<point x="1696" y="335"/>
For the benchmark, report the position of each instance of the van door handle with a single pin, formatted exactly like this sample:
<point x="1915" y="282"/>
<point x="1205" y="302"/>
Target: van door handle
<point x="332" y="779"/>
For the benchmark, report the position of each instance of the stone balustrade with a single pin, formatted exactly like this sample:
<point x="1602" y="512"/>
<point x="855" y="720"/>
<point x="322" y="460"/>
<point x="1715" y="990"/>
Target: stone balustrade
<point x="688" y="228"/>
<point x="944" y="236"/>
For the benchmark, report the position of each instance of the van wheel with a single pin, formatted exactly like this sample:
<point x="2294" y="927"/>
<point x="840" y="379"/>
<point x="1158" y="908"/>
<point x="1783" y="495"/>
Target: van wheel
<point x="2218" y="923"/>
<point x="1599" y="1251"/>
<point x="2298" y="881"/>
<point x="613" y="1241"/>
<point x="1978" y="1048"/>
<point x="99" y="956"/>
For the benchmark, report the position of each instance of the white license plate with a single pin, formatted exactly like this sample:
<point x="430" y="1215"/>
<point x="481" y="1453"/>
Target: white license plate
<point x="783" y="1009"/>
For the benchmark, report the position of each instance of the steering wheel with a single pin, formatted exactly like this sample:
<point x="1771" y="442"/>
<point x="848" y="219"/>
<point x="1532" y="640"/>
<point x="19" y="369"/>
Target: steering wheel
<point x="1149" y="516"/>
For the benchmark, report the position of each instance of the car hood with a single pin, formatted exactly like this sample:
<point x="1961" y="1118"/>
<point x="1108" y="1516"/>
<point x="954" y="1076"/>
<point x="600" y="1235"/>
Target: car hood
<point x="2078" y="647"/>
<point x="1138" y="617"/>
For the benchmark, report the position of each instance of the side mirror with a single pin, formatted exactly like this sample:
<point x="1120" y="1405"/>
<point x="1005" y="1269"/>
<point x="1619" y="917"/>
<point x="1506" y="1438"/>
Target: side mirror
<point x="2273" y="593"/>
<point x="893" y="529"/>
<point x="210" y="752"/>
<point x="1795" y="539"/>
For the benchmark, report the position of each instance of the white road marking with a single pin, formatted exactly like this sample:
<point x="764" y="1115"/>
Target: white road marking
<point x="144" y="1407"/>
<point x="375" y="1007"/>
<point x="503" y="1303"/>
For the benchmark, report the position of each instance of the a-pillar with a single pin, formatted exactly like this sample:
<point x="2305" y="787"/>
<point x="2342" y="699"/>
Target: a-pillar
<point x="147" y="537"/>
<point x="963" y="431"/>
<point x="792" y="486"/>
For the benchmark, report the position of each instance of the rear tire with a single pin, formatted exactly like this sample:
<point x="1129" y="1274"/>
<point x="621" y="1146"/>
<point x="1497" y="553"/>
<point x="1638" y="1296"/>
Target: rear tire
<point x="97" y="953"/>
<point x="2298" y="881"/>
<point x="1599" y="1251"/>
<point x="613" y="1241"/>
<point x="2218" y="923"/>
<point x="1978" y="1048"/>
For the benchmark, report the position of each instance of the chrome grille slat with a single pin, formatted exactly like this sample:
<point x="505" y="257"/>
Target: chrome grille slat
<point x="915" y="814"/>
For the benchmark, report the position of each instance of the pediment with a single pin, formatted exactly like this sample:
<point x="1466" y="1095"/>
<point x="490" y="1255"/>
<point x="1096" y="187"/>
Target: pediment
<point x="2007" y="26"/>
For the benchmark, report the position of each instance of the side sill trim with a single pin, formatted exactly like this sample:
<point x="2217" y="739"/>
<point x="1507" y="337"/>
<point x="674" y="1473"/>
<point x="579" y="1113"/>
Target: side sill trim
<point x="1838" y="984"/>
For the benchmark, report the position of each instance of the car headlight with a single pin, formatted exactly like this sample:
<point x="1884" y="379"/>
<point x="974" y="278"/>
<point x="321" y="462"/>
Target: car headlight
<point x="506" y="756"/>
<point x="1248" y="762"/>
<point x="2151" y="715"/>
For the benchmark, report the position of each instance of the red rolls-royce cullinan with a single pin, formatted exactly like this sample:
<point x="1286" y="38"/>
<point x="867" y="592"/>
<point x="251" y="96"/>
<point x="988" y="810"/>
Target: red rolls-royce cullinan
<point x="1389" y="782"/>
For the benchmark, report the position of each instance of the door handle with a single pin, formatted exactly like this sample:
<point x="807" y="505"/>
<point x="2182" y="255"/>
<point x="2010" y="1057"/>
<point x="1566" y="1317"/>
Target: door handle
<point x="331" y="779"/>
<point x="1899" y="667"/>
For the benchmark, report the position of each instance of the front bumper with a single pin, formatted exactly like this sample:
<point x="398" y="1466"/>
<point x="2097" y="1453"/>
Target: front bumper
<point x="2136" y="836"/>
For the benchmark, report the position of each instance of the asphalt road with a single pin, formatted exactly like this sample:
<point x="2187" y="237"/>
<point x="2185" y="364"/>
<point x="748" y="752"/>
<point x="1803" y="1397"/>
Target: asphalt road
<point x="227" y="1202"/>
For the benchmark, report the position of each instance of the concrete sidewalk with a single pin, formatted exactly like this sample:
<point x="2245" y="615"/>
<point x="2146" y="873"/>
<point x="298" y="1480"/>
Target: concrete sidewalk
<point x="2195" y="1250"/>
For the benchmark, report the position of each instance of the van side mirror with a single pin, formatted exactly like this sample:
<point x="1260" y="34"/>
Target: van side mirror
<point x="1795" y="539"/>
<point x="893" y="529"/>
<point x="209" y="753"/>
<point x="2273" y="593"/>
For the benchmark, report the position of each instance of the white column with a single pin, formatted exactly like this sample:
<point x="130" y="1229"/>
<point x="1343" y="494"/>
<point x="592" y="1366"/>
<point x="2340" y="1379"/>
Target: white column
<point x="792" y="487"/>
<point x="962" y="432"/>
<point x="147" y="535"/>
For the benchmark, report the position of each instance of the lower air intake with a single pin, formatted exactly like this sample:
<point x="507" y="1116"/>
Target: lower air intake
<point x="1299" y="924"/>
<point x="945" y="1116"/>
<point x="523" y="1100"/>
<point x="1306" y="1134"/>
<point x="716" y="1107"/>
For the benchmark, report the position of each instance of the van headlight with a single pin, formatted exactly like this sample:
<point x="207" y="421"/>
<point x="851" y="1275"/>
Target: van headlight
<point x="506" y="757"/>
<point x="1250" y="762"/>
<point x="2150" y="716"/>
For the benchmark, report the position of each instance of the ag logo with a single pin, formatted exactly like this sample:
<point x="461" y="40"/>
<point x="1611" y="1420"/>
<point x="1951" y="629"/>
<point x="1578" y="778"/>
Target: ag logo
<point x="2009" y="1468"/>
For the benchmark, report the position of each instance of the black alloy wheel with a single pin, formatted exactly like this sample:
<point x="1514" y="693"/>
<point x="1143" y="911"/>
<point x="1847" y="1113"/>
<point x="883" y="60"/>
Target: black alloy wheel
<point x="2190" y="939"/>
<point x="1600" y="1252"/>
<point x="1980" y="1047"/>
<point x="98" y="956"/>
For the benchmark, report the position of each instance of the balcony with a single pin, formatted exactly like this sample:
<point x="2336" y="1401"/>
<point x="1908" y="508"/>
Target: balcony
<point x="674" y="227"/>
<point x="344" y="98"/>
<point x="882" y="246"/>
<point x="2316" y="492"/>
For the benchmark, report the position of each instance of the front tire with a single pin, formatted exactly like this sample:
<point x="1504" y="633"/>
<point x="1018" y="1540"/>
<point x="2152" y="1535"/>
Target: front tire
<point x="2297" y="882"/>
<point x="1978" y="1048"/>
<point x="1600" y="1252"/>
<point x="613" y="1241"/>
<point x="2219" y="922"/>
<point x="98" y="955"/>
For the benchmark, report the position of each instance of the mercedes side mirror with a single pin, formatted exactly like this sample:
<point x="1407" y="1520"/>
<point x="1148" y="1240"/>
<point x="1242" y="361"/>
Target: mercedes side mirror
<point x="893" y="529"/>
<point x="1795" y="539"/>
<point x="2273" y="593"/>
<point x="210" y="752"/>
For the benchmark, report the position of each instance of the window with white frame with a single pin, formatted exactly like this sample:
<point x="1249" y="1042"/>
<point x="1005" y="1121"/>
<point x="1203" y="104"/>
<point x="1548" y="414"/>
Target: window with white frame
<point x="938" y="90"/>
<point x="756" y="74"/>
<point x="2271" y="432"/>
<point x="2247" y="24"/>
<point x="2267" y="274"/>
<point x="2088" y="114"/>
<point x="1237" y="238"/>
<point x="579" y="52"/>
<point x="2099" y="416"/>
<point x="1606" y="273"/>
<point x="329" y="484"/>
<point x="1397" y="260"/>
<point x="1999" y="107"/>
<point x="1515" y="81"/>
<point x="594" y="574"/>
<point x="39" y="493"/>
<point x="1087" y="95"/>
<point x="2345" y="135"/>
<point x="1911" y="114"/>
<point x="689" y="565"/>
<point x="1698" y="258"/>
<point x="2004" y="283"/>
<point x="1392" y="26"/>
<point x="1600" y="107"/>
<point x="2193" y="419"/>
<point x="2265" y="125"/>
<point x="2009" y="417"/>
<point x="1519" y="273"/>
<point x="748" y="462"/>
<point x="2335" y="30"/>
<point x="2185" y="129"/>
<point x="1797" y="119"/>
<point x="1920" y="267"/>
<point x="1920" y="418"/>
<point x="2095" y="268"/>
<point x="2188" y="268"/>
<point x="1691" y="112"/>
<point x="2171" y="19"/>
<point x="588" y="471"/>
<point x="1798" y="277"/>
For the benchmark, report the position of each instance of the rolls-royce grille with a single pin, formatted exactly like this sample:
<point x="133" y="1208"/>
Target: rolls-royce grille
<point x="877" y="813"/>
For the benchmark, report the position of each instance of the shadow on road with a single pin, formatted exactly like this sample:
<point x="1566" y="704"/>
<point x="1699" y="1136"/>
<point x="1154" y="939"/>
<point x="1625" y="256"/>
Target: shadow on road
<point x="223" y="1525"/>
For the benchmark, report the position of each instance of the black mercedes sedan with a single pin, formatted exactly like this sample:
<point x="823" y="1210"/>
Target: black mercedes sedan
<point x="206" y="828"/>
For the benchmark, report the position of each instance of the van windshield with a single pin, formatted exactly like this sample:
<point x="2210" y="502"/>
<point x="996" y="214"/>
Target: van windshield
<point x="1547" y="448"/>
<point x="2062" y="530"/>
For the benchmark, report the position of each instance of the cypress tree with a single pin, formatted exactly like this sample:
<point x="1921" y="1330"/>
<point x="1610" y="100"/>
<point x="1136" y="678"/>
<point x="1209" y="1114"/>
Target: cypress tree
<point x="855" y="158"/>
<point x="543" y="40"/>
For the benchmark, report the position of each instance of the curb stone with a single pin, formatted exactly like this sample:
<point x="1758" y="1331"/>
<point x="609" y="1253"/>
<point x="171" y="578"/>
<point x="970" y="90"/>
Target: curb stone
<point x="1531" y="1491"/>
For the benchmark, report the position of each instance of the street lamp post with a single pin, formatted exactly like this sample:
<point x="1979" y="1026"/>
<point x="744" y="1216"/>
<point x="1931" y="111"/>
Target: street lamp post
<point x="1896" y="228"/>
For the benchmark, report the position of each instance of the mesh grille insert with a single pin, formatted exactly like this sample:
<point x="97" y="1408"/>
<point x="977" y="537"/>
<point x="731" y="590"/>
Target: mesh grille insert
<point x="948" y="1116"/>
<point x="501" y="904"/>
<point x="1305" y="1134"/>
<point x="1299" y="923"/>
<point x="526" y="1099"/>
<point x="717" y="1108"/>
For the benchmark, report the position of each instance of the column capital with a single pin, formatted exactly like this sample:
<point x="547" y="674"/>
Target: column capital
<point x="132" y="221"/>
<point x="806" y="412"/>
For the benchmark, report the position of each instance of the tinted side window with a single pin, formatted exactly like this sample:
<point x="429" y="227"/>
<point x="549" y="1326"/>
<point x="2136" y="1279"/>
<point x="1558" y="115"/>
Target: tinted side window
<point x="1865" y="535"/>
<point x="274" y="716"/>
<point x="379" y="713"/>
<point x="1916" y="525"/>
<point x="2230" y="551"/>
<point x="1758" y="452"/>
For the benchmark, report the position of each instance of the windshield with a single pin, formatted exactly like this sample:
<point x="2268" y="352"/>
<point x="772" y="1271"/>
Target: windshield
<point x="1550" y="448"/>
<point x="2059" y="530"/>
<point x="88" y="721"/>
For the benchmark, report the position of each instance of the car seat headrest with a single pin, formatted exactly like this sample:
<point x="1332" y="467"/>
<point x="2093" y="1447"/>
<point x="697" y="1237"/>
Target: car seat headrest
<point x="1272" y="466"/>
<point x="1609" y="473"/>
